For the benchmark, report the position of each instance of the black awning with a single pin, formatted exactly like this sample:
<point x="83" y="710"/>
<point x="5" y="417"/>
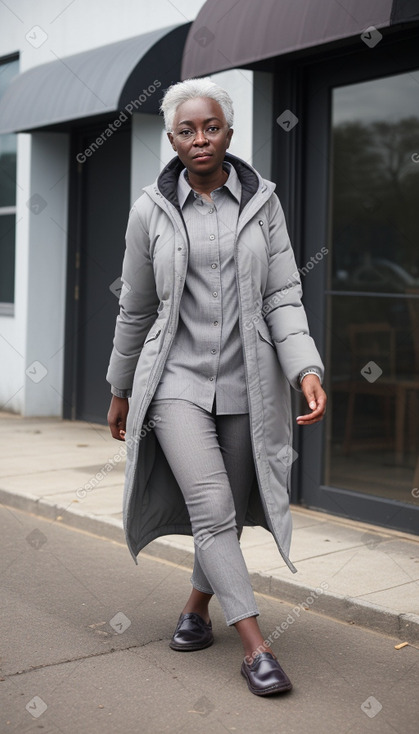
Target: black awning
<point x="227" y="34"/>
<point x="95" y="83"/>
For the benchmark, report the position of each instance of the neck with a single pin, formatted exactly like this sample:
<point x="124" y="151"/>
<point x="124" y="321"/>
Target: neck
<point x="206" y="184"/>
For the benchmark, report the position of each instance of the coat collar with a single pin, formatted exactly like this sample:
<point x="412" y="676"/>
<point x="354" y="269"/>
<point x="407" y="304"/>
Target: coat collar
<point x="184" y="189"/>
<point x="251" y="182"/>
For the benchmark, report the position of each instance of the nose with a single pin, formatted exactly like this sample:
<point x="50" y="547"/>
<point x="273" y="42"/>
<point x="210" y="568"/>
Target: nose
<point x="200" y="138"/>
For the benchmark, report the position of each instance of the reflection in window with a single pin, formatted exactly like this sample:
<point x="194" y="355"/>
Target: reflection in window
<point x="7" y="199"/>
<point x="376" y="190"/>
<point x="374" y="288"/>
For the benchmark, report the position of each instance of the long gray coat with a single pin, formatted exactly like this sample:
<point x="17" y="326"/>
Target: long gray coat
<point x="276" y="348"/>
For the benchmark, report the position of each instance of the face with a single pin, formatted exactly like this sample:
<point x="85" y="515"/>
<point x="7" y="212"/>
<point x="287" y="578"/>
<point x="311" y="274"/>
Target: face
<point x="200" y="135"/>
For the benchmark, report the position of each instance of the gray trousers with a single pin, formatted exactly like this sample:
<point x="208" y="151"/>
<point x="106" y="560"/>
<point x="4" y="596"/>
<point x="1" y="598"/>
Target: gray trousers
<point x="211" y="458"/>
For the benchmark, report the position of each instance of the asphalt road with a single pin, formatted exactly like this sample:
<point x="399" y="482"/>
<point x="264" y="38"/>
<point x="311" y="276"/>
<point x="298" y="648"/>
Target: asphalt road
<point x="84" y="649"/>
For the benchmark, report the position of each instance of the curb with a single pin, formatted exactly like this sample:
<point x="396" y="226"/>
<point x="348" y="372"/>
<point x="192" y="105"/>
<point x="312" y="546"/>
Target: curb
<point x="338" y="607"/>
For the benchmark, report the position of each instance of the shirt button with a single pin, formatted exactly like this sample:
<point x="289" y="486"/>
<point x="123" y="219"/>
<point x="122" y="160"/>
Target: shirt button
<point x="215" y="323"/>
<point x="212" y="236"/>
<point x="213" y="351"/>
<point x="213" y="265"/>
<point x="211" y="378"/>
<point x="215" y="294"/>
<point x="210" y="211"/>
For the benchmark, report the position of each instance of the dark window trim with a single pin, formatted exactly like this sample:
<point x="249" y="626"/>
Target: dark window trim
<point x="15" y="56"/>
<point x="8" y="308"/>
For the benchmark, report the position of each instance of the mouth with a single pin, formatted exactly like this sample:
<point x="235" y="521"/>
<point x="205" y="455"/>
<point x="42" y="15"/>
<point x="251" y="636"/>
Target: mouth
<point x="202" y="155"/>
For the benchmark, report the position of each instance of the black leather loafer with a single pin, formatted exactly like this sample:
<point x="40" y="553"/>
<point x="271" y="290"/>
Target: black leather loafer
<point x="191" y="633"/>
<point x="265" y="676"/>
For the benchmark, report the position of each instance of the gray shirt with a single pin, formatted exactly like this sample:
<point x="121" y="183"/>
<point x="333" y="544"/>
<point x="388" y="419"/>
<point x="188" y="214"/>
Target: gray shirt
<point x="206" y="357"/>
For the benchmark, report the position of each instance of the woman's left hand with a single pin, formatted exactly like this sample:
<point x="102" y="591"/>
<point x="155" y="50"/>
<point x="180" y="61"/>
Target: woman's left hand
<point x="316" y="399"/>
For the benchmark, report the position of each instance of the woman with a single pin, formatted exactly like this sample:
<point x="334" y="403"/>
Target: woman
<point x="210" y="335"/>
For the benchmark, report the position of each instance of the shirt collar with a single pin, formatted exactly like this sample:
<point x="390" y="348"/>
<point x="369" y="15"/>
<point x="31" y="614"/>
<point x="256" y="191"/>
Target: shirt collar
<point x="184" y="189"/>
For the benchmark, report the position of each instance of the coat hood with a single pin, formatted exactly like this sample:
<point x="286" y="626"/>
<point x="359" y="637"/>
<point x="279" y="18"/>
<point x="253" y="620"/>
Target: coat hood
<point x="251" y="181"/>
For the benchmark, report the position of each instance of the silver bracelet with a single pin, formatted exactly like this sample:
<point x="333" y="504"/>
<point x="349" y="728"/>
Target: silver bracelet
<point x="309" y="371"/>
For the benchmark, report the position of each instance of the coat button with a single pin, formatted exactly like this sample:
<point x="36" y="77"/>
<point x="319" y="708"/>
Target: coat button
<point x="261" y="222"/>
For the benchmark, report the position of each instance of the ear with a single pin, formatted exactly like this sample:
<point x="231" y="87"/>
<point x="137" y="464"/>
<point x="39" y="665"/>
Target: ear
<point x="171" y="140"/>
<point x="229" y="136"/>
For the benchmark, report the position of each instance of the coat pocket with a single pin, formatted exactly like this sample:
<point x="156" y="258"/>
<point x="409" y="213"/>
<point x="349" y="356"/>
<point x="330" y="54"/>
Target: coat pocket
<point x="152" y="337"/>
<point x="265" y="336"/>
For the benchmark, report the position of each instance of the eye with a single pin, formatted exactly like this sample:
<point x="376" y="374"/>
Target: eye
<point x="185" y="133"/>
<point x="213" y="129"/>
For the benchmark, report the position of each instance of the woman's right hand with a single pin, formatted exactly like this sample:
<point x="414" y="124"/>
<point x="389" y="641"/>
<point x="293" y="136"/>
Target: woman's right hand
<point x="117" y="417"/>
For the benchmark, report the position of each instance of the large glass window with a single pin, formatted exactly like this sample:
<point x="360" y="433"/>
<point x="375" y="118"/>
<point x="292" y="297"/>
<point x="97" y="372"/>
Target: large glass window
<point x="7" y="200"/>
<point x="373" y="289"/>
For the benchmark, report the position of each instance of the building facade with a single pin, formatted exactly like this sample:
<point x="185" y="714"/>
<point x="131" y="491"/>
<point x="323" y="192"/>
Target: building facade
<point x="327" y="105"/>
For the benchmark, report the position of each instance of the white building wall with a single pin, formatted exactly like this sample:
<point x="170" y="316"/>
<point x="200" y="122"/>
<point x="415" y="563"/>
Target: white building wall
<point x="32" y="340"/>
<point x="46" y="283"/>
<point x="146" y="162"/>
<point x="239" y="84"/>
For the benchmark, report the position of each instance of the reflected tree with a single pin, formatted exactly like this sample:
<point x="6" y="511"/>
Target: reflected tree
<point x="375" y="199"/>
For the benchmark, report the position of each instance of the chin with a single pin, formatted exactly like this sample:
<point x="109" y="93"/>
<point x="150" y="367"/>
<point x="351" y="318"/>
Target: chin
<point x="200" y="166"/>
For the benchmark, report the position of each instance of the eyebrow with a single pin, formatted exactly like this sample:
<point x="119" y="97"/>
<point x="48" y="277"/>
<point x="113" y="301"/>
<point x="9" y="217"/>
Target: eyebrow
<point x="190" y="122"/>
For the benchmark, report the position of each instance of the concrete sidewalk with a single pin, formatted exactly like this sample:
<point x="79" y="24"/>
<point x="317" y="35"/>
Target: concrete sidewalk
<point x="363" y="574"/>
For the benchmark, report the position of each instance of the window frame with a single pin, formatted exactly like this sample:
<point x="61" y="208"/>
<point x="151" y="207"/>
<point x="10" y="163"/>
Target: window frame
<point x="7" y="308"/>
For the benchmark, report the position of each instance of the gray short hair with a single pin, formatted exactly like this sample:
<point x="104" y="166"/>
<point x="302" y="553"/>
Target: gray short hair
<point x="190" y="89"/>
